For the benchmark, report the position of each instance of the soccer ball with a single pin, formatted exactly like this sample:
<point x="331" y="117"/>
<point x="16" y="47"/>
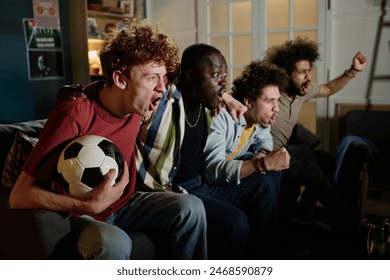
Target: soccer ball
<point x="84" y="162"/>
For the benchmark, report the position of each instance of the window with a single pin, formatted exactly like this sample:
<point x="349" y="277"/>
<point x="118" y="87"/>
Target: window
<point x="244" y="29"/>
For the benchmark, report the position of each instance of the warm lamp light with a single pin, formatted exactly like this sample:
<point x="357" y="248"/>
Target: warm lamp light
<point x="92" y="55"/>
<point x="94" y="62"/>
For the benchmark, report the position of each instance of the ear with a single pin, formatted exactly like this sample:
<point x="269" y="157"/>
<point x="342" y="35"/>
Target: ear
<point x="248" y="102"/>
<point x="119" y="79"/>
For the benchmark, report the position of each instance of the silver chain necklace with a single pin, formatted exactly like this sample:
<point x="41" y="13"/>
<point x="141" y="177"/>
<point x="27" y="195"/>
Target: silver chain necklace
<point x="197" y="120"/>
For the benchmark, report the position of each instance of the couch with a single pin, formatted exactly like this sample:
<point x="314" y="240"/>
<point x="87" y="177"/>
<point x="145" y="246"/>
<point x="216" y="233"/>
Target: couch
<point x="40" y="234"/>
<point x="370" y="134"/>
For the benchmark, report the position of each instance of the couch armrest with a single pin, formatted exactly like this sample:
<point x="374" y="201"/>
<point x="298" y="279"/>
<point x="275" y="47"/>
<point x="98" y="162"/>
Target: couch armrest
<point x="29" y="234"/>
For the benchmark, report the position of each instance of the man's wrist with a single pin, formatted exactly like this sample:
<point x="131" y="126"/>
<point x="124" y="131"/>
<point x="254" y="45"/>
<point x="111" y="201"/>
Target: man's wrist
<point x="349" y="74"/>
<point x="260" y="165"/>
<point x="265" y="152"/>
<point x="354" y="69"/>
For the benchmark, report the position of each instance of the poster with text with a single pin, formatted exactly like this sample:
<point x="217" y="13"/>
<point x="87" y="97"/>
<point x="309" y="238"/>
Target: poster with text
<point x="44" y="51"/>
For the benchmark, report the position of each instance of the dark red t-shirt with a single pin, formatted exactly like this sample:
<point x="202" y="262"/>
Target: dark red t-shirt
<point x="72" y="119"/>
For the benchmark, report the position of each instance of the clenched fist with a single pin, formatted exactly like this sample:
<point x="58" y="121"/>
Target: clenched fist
<point x="277" y="160"/>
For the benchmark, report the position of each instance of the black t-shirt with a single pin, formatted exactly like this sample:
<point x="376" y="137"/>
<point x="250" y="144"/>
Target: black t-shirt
<point x="192" y="147"/>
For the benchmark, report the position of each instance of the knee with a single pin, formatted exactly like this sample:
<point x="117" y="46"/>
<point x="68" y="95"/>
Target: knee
<point x="108" y="243"/>
<point x="116" y="244"/>
<point x="268" y="186"/>
<point x="191" y="206"/>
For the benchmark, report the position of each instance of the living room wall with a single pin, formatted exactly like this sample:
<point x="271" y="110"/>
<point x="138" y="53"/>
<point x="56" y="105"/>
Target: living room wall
<point x="23" y="99"/>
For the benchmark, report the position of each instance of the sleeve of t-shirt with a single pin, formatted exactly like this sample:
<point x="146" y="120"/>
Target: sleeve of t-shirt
<point x="312" y="92"/>
<point x="58" y="131"/>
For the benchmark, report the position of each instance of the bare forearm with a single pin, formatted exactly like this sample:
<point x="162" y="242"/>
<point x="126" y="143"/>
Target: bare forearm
<point x="248" y="167"/>
<point x="337" y="84"/>
<point x="38" y="198"/>
<point x="359" y="61"/>
<point x="274" y="161"/>
<point x="28" y="195"/>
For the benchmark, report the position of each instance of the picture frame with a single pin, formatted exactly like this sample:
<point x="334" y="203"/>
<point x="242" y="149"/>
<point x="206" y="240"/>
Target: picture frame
<point x="93" y="29"/>
<point x="127" y="7"/>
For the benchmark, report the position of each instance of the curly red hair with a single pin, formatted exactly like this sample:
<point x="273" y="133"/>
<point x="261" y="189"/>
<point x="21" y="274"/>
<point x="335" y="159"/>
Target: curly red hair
<point x="137" y="42"/>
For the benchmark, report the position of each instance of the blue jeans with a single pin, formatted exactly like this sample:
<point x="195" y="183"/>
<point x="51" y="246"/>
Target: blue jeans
<point x="181" y="217"/>
<point x="251" y="205"/>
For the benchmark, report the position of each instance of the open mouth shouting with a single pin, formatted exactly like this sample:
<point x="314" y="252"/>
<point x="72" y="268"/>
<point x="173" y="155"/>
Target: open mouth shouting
<point x="154" y="103"/>
<point x="273" y="118"/>
<point x="221" y="91"/>
<point x="305" y="87"/>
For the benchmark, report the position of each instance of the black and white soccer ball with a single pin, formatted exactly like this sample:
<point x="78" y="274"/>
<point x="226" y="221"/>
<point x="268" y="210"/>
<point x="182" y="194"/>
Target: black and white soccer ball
<point x="84" y="162"/>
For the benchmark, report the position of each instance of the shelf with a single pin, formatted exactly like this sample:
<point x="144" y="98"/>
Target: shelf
<point x="107" y="15"/>
<point x="94" y="44"/>
<point x="100" y="21"/>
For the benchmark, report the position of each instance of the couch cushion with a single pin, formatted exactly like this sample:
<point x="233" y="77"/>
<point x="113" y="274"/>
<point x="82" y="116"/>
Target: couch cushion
<point x="17" y="156"/>
<point x="7" y="135"/>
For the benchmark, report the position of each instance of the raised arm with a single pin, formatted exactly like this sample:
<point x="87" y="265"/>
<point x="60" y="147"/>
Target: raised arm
<point x="359" y="61"/>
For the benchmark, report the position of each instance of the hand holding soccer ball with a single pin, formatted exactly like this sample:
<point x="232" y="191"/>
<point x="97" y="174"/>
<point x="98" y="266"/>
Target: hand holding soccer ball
<point x="84" y="162"/>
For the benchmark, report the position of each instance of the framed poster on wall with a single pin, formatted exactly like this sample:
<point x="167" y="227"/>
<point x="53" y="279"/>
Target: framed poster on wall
<point x="127" y="7"/>
<point x="44" y="51"/>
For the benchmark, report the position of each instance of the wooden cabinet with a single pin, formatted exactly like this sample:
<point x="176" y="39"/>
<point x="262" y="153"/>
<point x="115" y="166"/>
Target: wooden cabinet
<point x="98" y="23"/>
<point x="78" y="41"/>
<point x="86" y="39"/>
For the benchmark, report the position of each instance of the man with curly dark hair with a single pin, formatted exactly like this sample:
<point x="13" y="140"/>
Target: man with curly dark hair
<point x="135" y="59"/>
<point x="258" y="87"/>
<point x="297" y="58"/>
<point x="239" y="157"/>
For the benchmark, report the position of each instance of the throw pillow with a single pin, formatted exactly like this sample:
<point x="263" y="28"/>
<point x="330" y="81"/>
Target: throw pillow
<point x="17" y="156"/>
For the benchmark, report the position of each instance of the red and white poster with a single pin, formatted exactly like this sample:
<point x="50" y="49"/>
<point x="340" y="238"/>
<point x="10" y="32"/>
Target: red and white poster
<point x="46" y="13"/>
